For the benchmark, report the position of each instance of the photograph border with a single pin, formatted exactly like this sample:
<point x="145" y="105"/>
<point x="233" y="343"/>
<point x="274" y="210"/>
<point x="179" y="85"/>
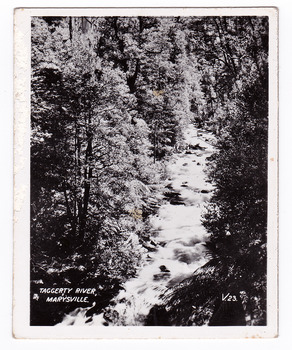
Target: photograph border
<point x="21" y="328"/>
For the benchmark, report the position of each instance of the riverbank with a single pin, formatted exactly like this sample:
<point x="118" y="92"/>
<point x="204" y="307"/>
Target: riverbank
<point x="180" y="238"/>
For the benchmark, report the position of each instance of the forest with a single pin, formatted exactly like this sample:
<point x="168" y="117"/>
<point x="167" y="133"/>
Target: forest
<point x="111" y="98"/>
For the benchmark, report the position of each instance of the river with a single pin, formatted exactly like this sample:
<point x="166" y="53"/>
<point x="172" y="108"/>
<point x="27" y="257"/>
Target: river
<point x="180" y="239"/>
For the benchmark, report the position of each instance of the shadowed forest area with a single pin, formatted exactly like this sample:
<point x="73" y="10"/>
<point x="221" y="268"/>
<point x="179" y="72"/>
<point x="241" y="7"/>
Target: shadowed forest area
<point x="111" y="100"/>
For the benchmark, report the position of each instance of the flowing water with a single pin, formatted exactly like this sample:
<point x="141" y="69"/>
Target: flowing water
<point x="180" y="239"/>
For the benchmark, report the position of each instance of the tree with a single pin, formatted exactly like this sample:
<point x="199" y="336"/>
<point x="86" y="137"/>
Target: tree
<point x="87" y="172"/>
<point x="233" y="63"/>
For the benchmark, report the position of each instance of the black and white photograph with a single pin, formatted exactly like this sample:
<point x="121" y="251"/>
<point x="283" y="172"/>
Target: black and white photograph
<point x="149" y="171"/>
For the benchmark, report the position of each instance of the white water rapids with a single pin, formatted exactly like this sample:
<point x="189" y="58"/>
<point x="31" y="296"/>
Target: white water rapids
<point x="180" y="239"/>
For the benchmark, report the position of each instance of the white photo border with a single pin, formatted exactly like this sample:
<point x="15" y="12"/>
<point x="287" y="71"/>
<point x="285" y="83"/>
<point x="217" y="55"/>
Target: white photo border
<point x="21" y="327"/>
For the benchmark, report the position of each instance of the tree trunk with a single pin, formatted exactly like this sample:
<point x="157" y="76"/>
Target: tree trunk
<point x="87" y="183"/>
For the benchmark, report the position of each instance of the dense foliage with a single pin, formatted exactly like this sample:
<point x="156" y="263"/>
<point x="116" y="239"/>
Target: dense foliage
<point x="110" y="97"/>
<point x="107" y="102"/>
<point x="236" y="59"/>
